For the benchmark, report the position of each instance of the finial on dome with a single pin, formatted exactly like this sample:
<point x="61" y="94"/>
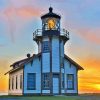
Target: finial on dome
<point x="50" y="9"/>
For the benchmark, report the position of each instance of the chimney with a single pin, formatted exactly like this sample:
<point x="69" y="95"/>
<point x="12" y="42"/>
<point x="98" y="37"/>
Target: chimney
<point x="28" y="55"/>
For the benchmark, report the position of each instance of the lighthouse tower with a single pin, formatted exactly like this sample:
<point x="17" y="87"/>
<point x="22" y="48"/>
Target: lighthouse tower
<point x="51" y="40"/>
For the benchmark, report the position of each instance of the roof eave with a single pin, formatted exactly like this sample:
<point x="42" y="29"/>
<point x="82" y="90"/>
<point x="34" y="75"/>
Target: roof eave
<point x="12" y="70"/>
<point x="77" y="65"/>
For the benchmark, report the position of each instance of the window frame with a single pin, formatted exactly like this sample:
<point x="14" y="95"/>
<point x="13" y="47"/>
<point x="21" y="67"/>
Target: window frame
<point x="68" y="88"/>
<point x="16" y="82"/>
<point x="21" y="81"/>
<point x="45" y="24"/>
<point x="62" y="81"/>
<point x="47" y="81"/>
<point x="46" y="46"/>
<point x="12" y="83"/>
<point x="9" y="83"/>
<point x="28" y="85"/>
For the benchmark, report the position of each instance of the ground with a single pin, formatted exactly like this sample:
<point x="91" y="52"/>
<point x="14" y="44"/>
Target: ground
<point x="81" y="97"/>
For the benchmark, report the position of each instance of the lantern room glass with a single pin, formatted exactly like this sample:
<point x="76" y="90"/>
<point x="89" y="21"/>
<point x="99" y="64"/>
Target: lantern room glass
<point x="50" y="24"/>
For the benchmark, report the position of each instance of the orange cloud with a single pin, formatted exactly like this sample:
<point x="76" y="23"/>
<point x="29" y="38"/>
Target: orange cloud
<point x="3" y="79"/>
<point x="89" y="79"/>
<point x="90" y="34"/>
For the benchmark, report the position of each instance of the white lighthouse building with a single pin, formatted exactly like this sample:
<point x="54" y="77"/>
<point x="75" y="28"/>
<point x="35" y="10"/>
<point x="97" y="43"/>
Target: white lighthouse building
<point x="50" y="72"/>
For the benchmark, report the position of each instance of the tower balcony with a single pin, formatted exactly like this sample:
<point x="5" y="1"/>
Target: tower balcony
<point x="64" y="34"/>
<point x="37" y="35"/>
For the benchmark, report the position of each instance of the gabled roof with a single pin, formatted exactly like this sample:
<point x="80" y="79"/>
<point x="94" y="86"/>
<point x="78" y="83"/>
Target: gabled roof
<point x="20" y="64"/>
<point x="24" y="61"/>
<point x="73" y="62"/>
<point x="14" y="69"/>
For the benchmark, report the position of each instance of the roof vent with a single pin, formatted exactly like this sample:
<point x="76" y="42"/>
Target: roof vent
<point x="28" y="55"/>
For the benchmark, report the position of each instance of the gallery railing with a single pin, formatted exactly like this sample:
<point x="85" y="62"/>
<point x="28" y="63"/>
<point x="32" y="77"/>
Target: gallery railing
<point x="38" y="33"/>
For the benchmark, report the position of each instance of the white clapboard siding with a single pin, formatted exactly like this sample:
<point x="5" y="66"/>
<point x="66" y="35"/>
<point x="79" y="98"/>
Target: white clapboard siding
<point x="34" y="68"/>
<point x="55" y="55"/>
<point x="70" y="70"/>
<point x="15" y="91"/>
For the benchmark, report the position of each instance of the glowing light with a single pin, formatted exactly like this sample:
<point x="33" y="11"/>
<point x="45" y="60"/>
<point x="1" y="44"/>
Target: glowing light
<point x="51" y="24"/>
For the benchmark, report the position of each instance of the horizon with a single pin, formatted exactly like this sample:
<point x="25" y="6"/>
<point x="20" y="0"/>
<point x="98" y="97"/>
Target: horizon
<point x="19" y="19"/>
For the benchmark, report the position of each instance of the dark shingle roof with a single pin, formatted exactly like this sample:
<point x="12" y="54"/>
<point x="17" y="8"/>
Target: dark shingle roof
<point x="50" y="14"/>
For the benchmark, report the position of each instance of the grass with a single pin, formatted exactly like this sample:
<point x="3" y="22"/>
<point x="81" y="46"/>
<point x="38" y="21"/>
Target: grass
<point x="81" y="97"/>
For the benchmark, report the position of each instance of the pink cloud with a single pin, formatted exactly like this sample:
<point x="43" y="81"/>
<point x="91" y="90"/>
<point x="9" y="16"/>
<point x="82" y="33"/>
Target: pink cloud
<point x="28" y="12"/>
<point x="92" y="35"/>
<point x="14" y="15"/>
<point x="24" y="12"/>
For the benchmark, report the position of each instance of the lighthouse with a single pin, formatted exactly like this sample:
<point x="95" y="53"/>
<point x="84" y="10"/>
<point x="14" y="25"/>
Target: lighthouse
<point x="50" y="72"/>
<point x="51" y="42"/>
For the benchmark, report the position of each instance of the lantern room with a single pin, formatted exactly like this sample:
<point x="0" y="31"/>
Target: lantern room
<point x="50" y="22"/>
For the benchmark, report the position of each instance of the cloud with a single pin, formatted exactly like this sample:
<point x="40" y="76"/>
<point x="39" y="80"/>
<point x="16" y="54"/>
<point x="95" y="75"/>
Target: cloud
<point x="15" y="17"/>
<point x="86" y="31"/>
<point x="90" y="77"/>
<point x="92" y="35"/>
<point x="28" y="12"/>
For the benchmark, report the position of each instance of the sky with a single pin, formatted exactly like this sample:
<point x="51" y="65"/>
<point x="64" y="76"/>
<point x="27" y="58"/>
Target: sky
<point x="20" y="18"/>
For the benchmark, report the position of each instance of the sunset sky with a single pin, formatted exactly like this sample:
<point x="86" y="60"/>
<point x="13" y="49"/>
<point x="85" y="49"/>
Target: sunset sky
<point x="20" y="18"/>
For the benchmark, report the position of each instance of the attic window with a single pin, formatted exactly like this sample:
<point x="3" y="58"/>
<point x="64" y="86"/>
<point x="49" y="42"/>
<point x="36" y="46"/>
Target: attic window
<point x="46" y="46"/>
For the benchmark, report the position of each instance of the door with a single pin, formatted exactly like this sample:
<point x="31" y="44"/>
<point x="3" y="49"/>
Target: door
<point x="55" y="84"/>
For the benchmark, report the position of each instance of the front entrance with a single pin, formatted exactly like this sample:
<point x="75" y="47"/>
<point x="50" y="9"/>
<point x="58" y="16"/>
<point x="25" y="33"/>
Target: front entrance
<point x="56" y="84"/>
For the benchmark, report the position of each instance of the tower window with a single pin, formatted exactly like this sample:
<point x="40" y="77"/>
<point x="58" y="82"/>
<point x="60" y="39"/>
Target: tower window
<point x="46" y="46"/>
<point x="31" y="81"/>
<point x="46" y="77"/>
<point x="70" y="81"/>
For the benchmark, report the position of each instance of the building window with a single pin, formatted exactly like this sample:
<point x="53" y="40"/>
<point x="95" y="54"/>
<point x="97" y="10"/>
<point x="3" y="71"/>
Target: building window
<point x="31" y="81"/>
<point x="70" y="81"/>
<point x="46" y="82"/>
<point x="21" y="81"/>
<point x="62" y="78"/>
<point x="16" y="82"/>
<point x="9" y="83"/>
<point x="12" y="83"/>
<point x="46" y="46"/>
